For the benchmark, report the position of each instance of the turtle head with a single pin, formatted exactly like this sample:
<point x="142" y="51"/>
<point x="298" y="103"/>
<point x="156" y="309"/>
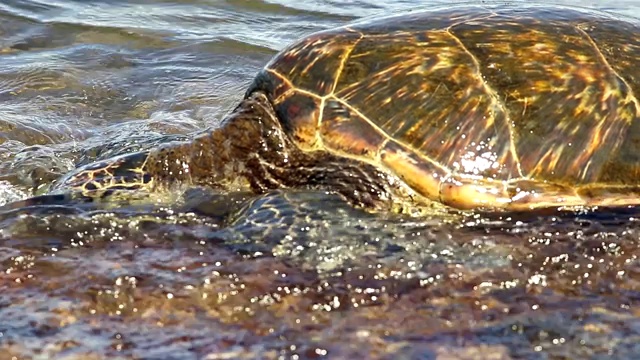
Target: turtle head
<point x="102" y="178"/>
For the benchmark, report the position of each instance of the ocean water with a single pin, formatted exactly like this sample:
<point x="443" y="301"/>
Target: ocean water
<point x="289" y="274"/>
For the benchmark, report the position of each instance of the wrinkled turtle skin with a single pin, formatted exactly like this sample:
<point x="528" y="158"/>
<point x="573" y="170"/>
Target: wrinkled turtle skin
<point x="475" y="107"/>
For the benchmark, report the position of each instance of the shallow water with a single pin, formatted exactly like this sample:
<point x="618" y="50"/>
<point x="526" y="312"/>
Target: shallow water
<point x="297" y="274"/>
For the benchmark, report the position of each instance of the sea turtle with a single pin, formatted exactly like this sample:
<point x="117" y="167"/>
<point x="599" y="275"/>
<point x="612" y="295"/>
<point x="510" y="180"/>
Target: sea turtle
<point x="474" y="107"/>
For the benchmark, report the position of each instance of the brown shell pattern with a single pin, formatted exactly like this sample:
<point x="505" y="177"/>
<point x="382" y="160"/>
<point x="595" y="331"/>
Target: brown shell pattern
<point x="526" y="95"/>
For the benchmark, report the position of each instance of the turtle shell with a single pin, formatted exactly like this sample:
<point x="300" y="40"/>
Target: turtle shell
<point x="475" y="106"/>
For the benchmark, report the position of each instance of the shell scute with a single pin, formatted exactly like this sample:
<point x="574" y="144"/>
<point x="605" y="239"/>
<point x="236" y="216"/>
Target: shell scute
<point x="422" y="175"/>
<point x="430" y="95"/>
<point x="300" y="115"/>
<point x="345" y="131"/>
<point x="314" y="63"/>
<point x="569" y="109"/>
<point x="494" y="105"/>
